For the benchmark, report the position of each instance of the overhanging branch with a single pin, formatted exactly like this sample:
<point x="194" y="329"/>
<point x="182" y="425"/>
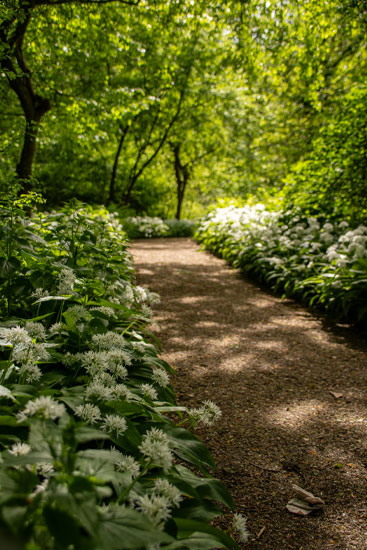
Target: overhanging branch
<point x="60" y="2"/>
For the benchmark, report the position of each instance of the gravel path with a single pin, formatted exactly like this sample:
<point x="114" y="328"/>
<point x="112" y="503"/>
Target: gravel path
<point x="292" y="390"/>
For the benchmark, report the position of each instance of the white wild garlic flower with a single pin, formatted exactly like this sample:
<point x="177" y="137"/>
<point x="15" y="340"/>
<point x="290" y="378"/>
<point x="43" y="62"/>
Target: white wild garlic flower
<point x="240" y="527"/>
<point x="207" y="414"/>
<point x="155" y="507"/>
<point x="88" y="412"/>
<point x="57" y="327"/>
<point x="20" y="449"/>
<point x="155" y="447"/>
<point x="107" y="311"/>
<point x="41" y="488"/>
<point x="79" y="312"/>
<point x="163" y="488"/>
<point x="98" y="362"/>
<point x="153" y="298"/>
<point x="43" y="406"/>
<point x="99" y="391"/>
<point x="45" y="469"/>
<point x="146" y="311"/>
<point x="31" y="372"/>
<point x="31" y="353"/>
<point x="125" y="463"/>
<point x="141" y="294"/>
<point x="67" y="280"/>
<point x="109" y="340"/>
<point x="114" y="423"/>
<point x="35" y="330"/>
<point x="161" y="377"/>
<point x="17" y="336"/>
<point x="149" y="391"/>
<point x="122" y="391"/>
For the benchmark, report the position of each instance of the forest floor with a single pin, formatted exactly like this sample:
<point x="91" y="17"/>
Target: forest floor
<point x="292" y="388"/>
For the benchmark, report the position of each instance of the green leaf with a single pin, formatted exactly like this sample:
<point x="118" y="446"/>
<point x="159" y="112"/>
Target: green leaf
<point x="8" y="421"/>
<point x="5" y="393"/>
<point x="62" y="526"/>
<point x="196" y="541"/>
<point x="14" y="516"/>
<point x="9" y="267"/>
<point x="189" y="448"/>
<point x="206" y="488"/>
<point x="83" y="434"/>
<point x="134" y="529"/>
<point x="188" y="527"/>
<point x="204" y="510"/>
<point x="52" y="298"/>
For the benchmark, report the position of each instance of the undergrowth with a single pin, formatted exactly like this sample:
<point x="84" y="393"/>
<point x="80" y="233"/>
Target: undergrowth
<point x="321" y="262"/>
<point x="90" y="457"/>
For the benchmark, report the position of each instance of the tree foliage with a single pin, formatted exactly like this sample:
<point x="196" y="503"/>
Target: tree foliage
<point x="165" y="105"/>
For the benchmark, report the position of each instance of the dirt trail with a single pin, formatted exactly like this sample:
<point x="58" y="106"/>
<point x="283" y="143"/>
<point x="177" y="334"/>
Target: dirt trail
<point x="271" y="366"/>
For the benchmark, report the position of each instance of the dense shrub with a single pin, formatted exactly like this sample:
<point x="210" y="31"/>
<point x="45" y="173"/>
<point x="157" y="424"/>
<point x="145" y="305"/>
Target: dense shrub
<point x="90" y="459"/>
<point x="321" y="263"/>
<point x="180" y="228"/>
<point x="147" y="227"/>
<point x="332" y="178"/>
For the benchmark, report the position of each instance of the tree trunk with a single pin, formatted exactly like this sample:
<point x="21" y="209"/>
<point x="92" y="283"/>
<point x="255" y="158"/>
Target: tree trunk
<point x="20" y="81"/>
<point x="180" y="198"/>
<point x="136" y="173"/>
<point x="111" y="196"/>
<point x="25" y="164"/>
<point x="182" y="173"/>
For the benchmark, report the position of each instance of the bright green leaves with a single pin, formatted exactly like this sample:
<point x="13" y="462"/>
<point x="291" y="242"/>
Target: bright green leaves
<point x="321" y="262"/>
<point x="88" y="449"/>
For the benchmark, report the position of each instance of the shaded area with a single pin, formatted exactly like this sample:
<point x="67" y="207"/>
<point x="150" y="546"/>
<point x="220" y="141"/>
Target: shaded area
<point x="270" y="365"/>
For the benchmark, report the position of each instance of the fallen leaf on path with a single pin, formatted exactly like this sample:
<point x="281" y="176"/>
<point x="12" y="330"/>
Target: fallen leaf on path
<point x="305" y="503"/>
<point x="336" y="394"/>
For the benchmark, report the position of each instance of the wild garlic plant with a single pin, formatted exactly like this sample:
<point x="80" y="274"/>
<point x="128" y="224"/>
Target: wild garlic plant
<point x="90" y="456"/>
<point x="146" y="227"/>
<point x="321" y="262"/>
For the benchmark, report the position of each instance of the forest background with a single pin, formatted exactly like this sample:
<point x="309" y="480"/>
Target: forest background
<point x="166" y="108"/>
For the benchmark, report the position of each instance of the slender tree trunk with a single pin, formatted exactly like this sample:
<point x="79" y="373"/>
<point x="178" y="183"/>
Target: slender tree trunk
<point x="136" y="173"/>
<point x="180" y="198"/>
<point x="182" y="173"/>
<point x="111" y="196"/>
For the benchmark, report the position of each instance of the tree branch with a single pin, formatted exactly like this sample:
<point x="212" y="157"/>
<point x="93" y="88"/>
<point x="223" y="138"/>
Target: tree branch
<point x="60" y="2"/>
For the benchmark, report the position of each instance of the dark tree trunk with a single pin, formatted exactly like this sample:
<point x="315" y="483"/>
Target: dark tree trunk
<point x="182" y="173"/>
<point x="13" y="63"/>
<point x="39" y="106"/>
<point x="34" y="106"/>
<point x="111" y="196"/>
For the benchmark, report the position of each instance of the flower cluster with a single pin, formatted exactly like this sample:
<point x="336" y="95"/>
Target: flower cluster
<point x="155" y="447"/>
<point x="27" y="353"/>
<point x="89" y="413"/>
<point x="145" y="226"/>
<point x="158" y="503"/>
<point x="208" y="413"/>
<point x="138" y="227"/>
<point x="320" y="261"/>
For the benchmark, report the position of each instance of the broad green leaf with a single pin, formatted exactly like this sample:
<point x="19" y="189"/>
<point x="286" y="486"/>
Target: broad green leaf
<point x="187" y="527"/>
<point x="134" y="529"/>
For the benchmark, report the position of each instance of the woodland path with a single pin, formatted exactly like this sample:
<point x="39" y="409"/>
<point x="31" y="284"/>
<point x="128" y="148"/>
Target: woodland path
<point x="270" y="365"/>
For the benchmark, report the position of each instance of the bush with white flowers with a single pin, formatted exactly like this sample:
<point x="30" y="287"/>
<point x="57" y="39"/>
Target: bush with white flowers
<point x="90" y="456"/>
<point x="139" y="227"/>
<point x="315" y="260"/>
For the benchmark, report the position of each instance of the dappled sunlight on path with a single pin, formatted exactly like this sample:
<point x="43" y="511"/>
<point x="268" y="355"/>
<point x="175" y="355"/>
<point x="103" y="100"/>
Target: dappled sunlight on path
<point x="292" y="391"/>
